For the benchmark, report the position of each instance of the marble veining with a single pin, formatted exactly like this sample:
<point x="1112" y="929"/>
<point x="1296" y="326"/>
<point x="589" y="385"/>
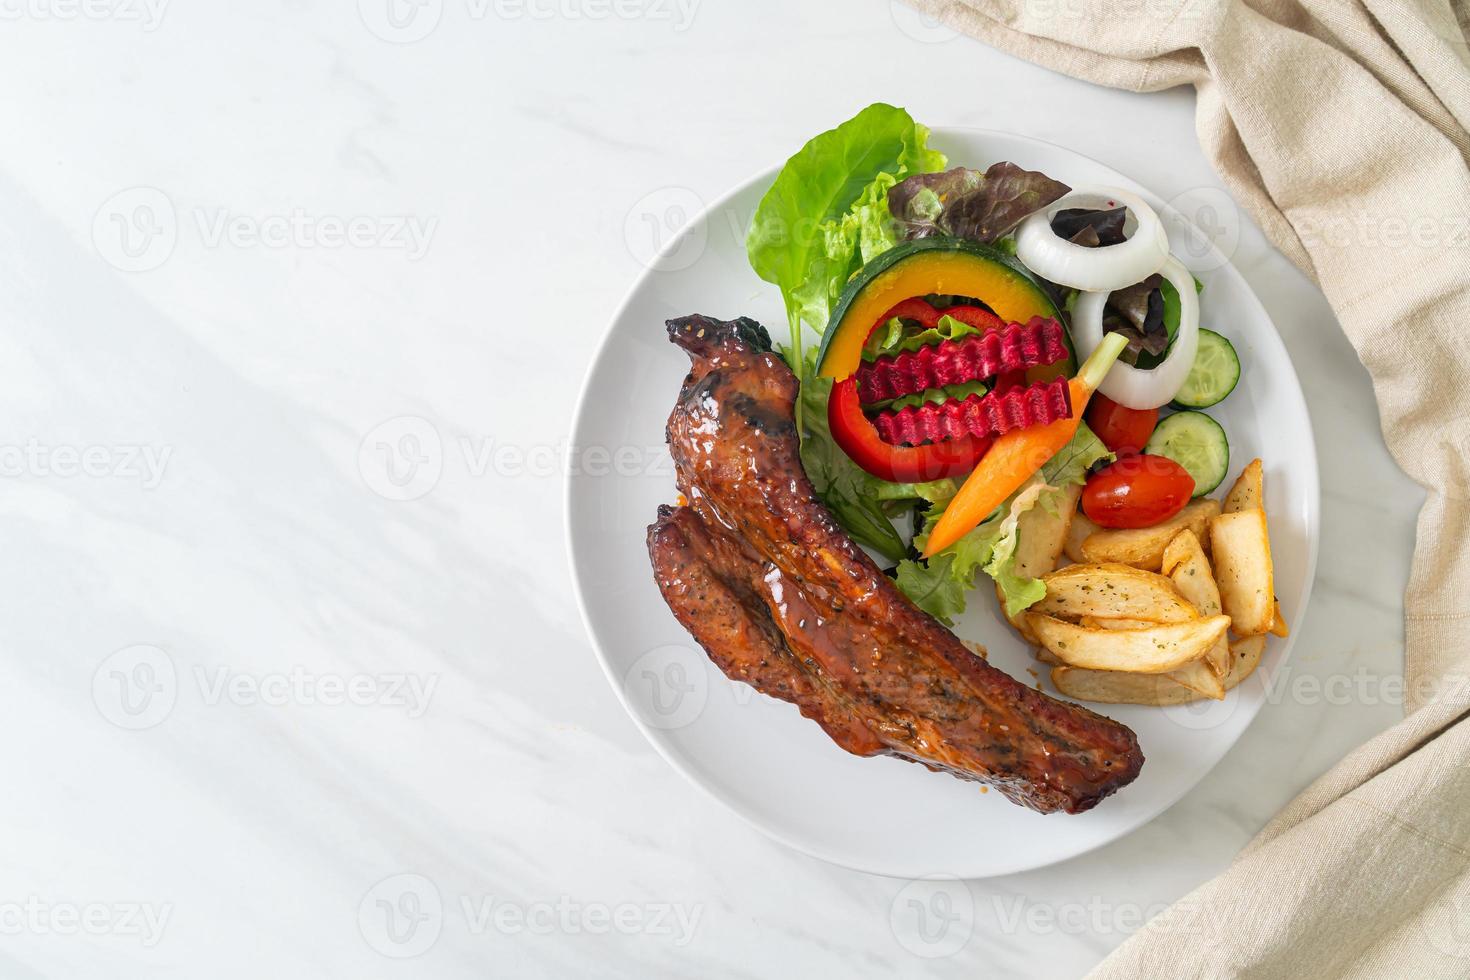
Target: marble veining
<point x="294" y="302"/>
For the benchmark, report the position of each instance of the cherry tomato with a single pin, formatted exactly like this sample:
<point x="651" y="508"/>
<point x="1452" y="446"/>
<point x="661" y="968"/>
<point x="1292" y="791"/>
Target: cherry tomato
<point x="1137" y="491"/>
<point x="1123" y="430"/>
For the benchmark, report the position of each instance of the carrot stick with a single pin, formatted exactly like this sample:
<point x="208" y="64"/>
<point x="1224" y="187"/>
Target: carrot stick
<point x="1017" y="455"/>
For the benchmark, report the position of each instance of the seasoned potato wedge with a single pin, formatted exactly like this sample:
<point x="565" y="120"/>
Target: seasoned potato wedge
<point x="1248" y="492"/>
<point x="1245" y="657"/>
<point x="1144" y="547"/>
<point x="1243" y="570"/>
<point x="1082" y="528"/>
<point x="1040" y="537"/>
<point x="1114" y="687"/>
<point x="1112" y="591"/>
<point x="1201" y="676"/>
<point x="1105" y="623"/>
<point x="1186" y="565"/>
<point x="1278" y="624"/>
<point x="1157" y="650"/>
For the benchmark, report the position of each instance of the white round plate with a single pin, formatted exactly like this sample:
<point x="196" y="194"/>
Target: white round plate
<point x="756" y="754"/>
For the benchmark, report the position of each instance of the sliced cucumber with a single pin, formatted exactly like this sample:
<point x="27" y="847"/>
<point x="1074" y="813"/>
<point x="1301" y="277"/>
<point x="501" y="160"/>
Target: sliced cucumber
<point x="1215" y="373"/>
<point x="1196" y="442"/>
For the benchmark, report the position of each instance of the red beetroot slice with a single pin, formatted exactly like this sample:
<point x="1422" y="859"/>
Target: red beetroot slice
<point x="972" y="358"/>
<point x="994" y="414"/>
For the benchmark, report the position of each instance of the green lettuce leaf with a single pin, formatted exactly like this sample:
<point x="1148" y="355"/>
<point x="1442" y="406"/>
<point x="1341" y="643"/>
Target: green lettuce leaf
<point x="896" y="338"/>
<point x="941" y="584"/>
<point x="827" y="212"/>
<point x="936" y="395"/>
<point x="933" y="587"/>
<point x="853" y="495"/>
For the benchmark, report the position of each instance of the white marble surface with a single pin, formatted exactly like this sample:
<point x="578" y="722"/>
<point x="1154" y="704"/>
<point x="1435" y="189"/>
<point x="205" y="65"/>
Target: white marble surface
<point x="244" y="685"/>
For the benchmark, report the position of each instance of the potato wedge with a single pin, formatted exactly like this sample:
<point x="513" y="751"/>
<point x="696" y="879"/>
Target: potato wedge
<point x="1278" y="624"/>
<point x="1201" y="676"/>
<point x="1144" y="547"/>
<point x="1248" y="493"/>
<point x="1045" y="656"/>
<point x="1245" y="657"/>
<point x="1159" y="690"/>
<point x="1112" y="591"/>
<point x="1188" y="568"/>
<point x="1114" y="687"/>
<point x="1104" y="623"/>
<point x="1040" y="537"/>
<point x="1243" y="570"/>
<point x="1082" y="528"/>
<point x="1158" y="650"/>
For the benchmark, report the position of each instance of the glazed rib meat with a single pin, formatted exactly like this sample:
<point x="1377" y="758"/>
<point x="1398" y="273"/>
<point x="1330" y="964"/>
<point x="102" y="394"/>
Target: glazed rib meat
<point x="779" y="597"/>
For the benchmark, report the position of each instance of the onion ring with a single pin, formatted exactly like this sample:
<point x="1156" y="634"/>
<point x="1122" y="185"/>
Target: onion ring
<point x="1143" y="388"/>
<point x="1109" y="267"/>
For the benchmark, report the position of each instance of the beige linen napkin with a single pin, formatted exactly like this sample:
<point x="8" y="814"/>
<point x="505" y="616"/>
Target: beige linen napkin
<point x="1341" y="125"/>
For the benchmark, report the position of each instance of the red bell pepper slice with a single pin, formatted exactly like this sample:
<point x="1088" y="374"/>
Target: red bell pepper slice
<point x="897" y="464"/>
<point x="919" y="310"/>
<point x="975" y="316"/>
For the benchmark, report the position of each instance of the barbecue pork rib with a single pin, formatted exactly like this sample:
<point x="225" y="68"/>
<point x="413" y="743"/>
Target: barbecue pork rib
<point x="761" y="575"/>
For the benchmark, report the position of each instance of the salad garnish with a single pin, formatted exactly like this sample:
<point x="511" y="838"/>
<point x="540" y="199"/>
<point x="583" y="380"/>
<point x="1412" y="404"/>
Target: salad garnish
<point x="943" y="404"/>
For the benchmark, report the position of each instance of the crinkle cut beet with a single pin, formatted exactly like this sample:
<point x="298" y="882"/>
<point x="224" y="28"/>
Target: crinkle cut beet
<point x="994" y="414"/>
<point x="972" y="358"/>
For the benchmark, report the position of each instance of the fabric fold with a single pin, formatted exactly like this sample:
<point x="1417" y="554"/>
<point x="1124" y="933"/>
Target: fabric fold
<point x="1341" y="126"/>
